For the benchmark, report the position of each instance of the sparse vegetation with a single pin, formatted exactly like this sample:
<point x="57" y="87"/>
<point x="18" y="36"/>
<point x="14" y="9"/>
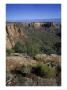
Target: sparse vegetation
<point x="25" y="70"/>
<point x="34" y="59"/>
<point x="19" y="48"/>
<point x="41" y="41"/>
<point x="44" y="70"/>
<point x="9" y="51"/>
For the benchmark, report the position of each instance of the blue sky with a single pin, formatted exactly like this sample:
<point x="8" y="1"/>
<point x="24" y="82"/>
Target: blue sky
<point x="32" y="11"/>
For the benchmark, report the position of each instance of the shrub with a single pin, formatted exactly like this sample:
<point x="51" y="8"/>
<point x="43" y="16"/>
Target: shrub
<point x="47" y="49"/>
<point x="32" y="49"/>
<point x="42" y="70"/>
<point x="57" y="47"/>
<point x="19" y="48"/>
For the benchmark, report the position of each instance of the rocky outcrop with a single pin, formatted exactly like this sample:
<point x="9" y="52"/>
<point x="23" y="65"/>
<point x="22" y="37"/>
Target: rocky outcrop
<point x="48" y="58"/>
<point x="13" y="62"/>
<point x="14" y="34"/>
<point x="15" y="31"/>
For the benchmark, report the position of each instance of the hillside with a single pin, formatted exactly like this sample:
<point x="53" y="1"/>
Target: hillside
<point x="33" y="54"/>
<point x="34" y="33"/>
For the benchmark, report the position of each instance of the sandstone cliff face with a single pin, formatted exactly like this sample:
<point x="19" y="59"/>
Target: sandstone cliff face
<point x="14" y="34"/>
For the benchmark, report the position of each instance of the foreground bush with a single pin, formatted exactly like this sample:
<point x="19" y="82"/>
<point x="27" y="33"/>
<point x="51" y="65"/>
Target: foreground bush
<point x="41" y="70"/>
<point x="44" y="70"/>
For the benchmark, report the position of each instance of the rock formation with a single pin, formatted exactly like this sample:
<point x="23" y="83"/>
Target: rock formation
<point x="14" y="34"/>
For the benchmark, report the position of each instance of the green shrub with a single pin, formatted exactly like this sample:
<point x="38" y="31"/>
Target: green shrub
<point x="57" y="47"/>
<point x="44" y="70"/>
<point x="47" y="49"/>
<point x="19" y="48"/>
<point x="32" y="49"/>
<point x="44" y="39"/>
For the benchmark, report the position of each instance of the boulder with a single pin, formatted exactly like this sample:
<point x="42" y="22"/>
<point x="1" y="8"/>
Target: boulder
<point x="41" y="57"/>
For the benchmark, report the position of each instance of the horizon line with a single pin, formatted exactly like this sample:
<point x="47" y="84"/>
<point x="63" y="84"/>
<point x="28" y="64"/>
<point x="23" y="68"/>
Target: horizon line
<point x="35" y="19"/>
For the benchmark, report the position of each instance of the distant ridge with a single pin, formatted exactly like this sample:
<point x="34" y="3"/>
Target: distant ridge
<point x="36" y="20"/>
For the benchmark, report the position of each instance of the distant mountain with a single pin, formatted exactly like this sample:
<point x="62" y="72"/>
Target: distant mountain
<point x="45" y="20"/>
<point x="37" y="20"/>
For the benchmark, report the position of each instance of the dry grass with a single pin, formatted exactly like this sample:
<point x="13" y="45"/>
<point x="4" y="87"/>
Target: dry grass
<point x="13" y="62"/>
<point x="16" y="61"/>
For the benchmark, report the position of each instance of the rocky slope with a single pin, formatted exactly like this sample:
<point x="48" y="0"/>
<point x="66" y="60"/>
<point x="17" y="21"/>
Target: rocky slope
<point x="14" y="34"/>
<point x="15" y="31"/>
<point x="19" y="71"/>
<point x="32" y="61"/>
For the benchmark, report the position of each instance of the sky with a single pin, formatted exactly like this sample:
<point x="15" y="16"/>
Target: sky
<point x="32" y="11"/>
